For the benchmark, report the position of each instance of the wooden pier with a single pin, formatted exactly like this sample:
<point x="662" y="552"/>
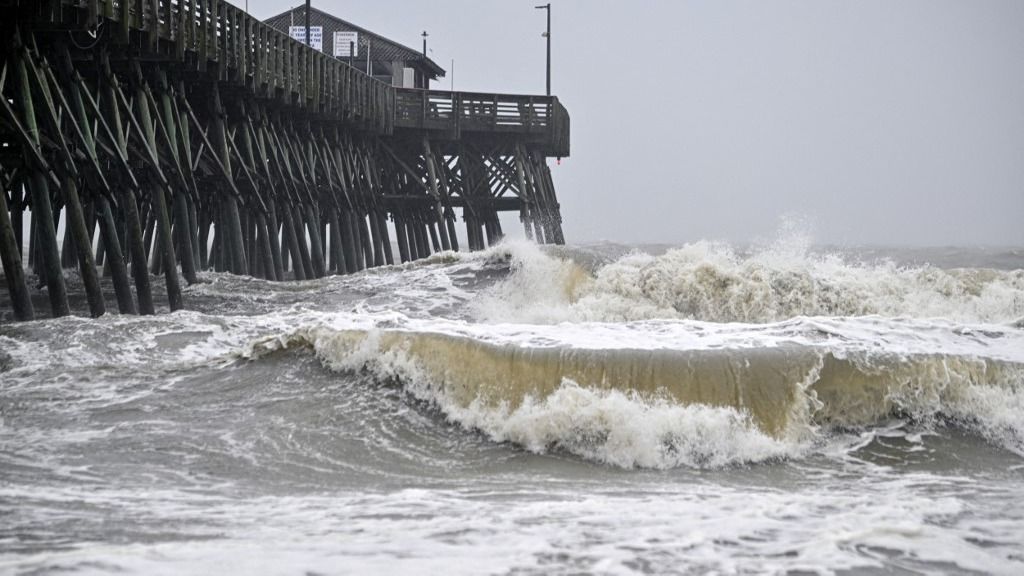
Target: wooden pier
<point x="166" y="137"/>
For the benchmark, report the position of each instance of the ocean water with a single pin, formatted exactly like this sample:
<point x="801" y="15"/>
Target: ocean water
<point x="596" y="409"/>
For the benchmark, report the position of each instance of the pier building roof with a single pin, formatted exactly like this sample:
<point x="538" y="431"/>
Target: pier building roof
<point x="388" y="57"/>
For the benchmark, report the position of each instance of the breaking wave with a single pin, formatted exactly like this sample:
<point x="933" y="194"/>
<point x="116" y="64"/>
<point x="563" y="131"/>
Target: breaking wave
<point x="714" y="399"/>
<point x="714" y="282"/>
<point x="701" y="356"/>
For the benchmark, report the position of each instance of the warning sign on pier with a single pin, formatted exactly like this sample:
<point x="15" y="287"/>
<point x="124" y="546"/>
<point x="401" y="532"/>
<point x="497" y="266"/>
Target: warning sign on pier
<point x="315" y="32"/>
<point x="345" y="42"/>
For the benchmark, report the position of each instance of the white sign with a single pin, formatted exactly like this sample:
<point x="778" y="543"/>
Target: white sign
<point x="317" y="33"/>
<point x="345" y="42"/>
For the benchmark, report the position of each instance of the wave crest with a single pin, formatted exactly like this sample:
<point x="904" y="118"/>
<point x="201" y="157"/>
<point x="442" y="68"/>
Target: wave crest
<point x="712" y="282"/>
<point x="667" y="407"/>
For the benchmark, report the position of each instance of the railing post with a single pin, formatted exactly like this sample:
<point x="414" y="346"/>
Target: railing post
<point x="423" y="111"/>
<point x="457" y="114"/>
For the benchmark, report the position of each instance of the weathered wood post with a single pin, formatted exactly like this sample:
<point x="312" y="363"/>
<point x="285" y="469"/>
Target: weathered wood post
<point x="172" y="118"/>
<point x="539" y="210"/>
<point x="233" y="231"/>
<point x="114" y="258"/>
<point x="75" y="215"/>
<point x="338" y="264"/>
<point x="403" y="240"/>
<point x="42" y="213"/>
<point x="10" y="256"/>
<point x="524" y="194"/>
<point x="128" y="203"/>
<point x="349" y="244"/>
<point x="158" y="191"/>
<point x="428" y="157"/>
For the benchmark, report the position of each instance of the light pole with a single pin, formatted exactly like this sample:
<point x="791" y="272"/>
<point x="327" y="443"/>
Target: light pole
<point x="426" y="79"/>
<point x="548" y="36"/>
<point x="309" y="41"/>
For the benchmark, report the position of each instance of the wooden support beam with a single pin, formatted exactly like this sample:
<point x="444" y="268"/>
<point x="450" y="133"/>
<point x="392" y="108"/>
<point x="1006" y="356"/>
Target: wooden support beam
<point x="42" y="213"/>
<point x="382" y="226"/>
<point x="432" y="230"/>
<point x="554" y="219"/>
<point x="403" y="239"/>
<point x="10" y="256"/>
<point x="256" y="147"/>
<point x="339" y="260"/>
<point x="428" y="157"/>
<point x="158" y="193"/>
<point x="17" y="208"/>
<point x="270" y="258"/>
<point x="205" y="226"/>
<point x="364" y="242"/>
<point x="220" y="151"/>
<point x="409" y="224"/>
<point x="115" y="257"/>
<point x="171" y="119"/>
<point x="129" y="206"/>
<point x="538" y="209"/>
<point x="299" y="225"/>
<point x="524" y="211"/>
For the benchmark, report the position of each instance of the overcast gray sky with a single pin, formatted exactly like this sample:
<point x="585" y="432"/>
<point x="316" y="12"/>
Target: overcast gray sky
<point x="875" y="121"/>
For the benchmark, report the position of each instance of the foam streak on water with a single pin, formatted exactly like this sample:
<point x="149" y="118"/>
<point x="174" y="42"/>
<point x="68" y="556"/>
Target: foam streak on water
<point x="521" y="411"/>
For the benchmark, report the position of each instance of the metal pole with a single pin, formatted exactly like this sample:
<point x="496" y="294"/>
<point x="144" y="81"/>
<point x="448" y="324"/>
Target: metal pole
<point x="309" y="41"/>
<point x="426" y="79"/>
<point x="548" y="36"/>
<point x="549" y="49"/>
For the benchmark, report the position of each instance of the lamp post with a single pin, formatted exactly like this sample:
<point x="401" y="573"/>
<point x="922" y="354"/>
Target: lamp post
<point x="548" y="36"/>
<point x="426" y="78"/>
<point x="309" y="41"/>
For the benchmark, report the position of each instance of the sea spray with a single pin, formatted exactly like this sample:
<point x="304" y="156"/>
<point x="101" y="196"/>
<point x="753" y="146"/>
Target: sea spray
<point x="712" y="281"/>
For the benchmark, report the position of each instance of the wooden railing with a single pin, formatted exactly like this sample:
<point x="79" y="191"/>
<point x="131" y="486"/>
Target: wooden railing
<point x="245" y="50"/>
<point x="458" y="112"/>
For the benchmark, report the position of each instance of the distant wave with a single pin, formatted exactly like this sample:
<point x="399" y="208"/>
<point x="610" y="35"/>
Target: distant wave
<point x="712" y="282"/>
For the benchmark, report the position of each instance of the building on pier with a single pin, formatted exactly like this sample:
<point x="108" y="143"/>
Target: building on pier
<point x="387" y="60"/>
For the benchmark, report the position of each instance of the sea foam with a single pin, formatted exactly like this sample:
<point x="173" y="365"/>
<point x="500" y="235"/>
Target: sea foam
<point x="714" y="282"/>
<point x="679" y="393"/>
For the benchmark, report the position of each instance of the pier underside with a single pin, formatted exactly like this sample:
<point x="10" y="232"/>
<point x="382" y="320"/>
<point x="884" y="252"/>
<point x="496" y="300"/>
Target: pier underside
<point x="150" y="137"/>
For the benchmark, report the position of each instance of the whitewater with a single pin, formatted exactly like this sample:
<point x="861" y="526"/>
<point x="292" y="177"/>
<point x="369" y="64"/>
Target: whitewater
<point x="595" y="409"/>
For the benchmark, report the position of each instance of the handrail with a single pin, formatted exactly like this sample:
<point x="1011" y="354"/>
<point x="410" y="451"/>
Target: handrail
<point x="249" y="51"/>
<point x="458" y="112"/>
